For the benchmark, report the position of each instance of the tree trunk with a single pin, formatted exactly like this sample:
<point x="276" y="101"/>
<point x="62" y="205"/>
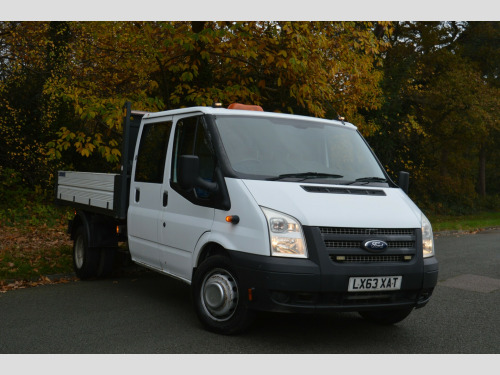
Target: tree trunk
<point x="482" y="171"/>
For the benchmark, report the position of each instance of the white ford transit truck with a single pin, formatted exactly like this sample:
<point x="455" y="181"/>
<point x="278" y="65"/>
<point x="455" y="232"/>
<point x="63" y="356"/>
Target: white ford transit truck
<point x="257" y="211"/>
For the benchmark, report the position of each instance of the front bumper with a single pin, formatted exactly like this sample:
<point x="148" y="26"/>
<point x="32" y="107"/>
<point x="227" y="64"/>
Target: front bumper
<point x="320" y="284"/>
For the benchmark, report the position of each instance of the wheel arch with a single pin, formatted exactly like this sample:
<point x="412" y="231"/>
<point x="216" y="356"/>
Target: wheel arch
<point x="80" y="220"/>
<point x="100" y="230"/>
<point x="208" y="250"/>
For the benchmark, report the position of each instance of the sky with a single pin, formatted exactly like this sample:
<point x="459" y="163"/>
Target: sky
<point x="251" y="10"/>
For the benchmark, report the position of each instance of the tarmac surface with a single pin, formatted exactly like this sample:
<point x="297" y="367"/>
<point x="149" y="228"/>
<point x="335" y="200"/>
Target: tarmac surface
<point x="151" y="313"/>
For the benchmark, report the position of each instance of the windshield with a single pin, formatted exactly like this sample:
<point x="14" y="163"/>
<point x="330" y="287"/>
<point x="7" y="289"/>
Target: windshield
<point x="270" y="148"/>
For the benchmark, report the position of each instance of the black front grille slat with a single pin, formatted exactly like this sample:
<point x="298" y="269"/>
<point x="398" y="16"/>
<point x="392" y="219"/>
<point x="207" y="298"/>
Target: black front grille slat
<point x="401" y="244"/>
<point x="342" y="244"/>
<point x="367" y="231"/>
<point x="369" y="258"/>
<point x="359" y="244"/>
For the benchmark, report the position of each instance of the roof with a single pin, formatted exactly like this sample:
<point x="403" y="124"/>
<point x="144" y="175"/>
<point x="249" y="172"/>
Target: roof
<point x="234" y="112"/>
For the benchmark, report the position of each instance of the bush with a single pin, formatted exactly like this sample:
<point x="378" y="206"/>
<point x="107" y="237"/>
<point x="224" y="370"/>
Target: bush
<point x="21" y="205"/>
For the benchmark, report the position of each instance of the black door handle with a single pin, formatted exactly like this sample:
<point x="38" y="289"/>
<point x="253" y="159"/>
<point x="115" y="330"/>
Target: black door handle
<point x="137" y="195"/>
<point x="165" y="198"/>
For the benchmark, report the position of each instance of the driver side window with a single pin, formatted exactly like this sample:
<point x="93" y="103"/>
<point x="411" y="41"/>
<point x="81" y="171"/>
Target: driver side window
<point x="191" y="138"/>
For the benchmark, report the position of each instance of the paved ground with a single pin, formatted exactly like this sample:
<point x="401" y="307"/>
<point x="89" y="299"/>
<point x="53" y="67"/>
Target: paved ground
<point x="150" y="313"/>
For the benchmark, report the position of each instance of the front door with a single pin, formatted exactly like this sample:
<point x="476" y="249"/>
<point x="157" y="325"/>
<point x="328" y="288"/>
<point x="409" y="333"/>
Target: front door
<point x="187" y="215"/>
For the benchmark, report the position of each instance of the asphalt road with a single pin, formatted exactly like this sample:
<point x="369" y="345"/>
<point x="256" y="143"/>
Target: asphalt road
<point x="150" y="313"/>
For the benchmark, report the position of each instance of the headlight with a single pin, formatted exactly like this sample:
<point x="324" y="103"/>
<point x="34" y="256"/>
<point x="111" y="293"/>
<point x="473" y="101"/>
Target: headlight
<point x="427" y="237"/>
<point x="285" y="235"/>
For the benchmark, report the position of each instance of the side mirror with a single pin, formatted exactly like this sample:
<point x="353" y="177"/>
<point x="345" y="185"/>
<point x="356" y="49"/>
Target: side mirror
<point x="188" y="174"/>
<point x="404" y="181"/>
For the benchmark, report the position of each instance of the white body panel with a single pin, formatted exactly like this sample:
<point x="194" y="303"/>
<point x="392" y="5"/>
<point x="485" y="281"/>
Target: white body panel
<point x="93" y="189"/>
<point x="143" y="221"/>
<point x="250" y="235"/>
<point x="394" y="210"/>
<point x="184" y="223"/>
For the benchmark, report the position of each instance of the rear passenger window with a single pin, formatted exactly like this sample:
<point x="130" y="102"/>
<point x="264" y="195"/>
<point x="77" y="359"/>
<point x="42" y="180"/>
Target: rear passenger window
<point x="153" y="152"/>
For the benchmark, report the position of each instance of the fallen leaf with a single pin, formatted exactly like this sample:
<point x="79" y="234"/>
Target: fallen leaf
<point x="46" y="279"/>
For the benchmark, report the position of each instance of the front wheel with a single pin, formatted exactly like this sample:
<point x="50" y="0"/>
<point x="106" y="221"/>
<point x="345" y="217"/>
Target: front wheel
<point x="386" y="317"/>
<point x="218" y="297"/>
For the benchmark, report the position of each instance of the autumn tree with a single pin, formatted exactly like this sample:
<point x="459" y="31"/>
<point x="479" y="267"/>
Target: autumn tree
<point x="320" y="68"/>
<point x="440" y="111"/>
<point x="479" y="45"/>
<point x="31" y="54"/>
<point x="426" y="93"/>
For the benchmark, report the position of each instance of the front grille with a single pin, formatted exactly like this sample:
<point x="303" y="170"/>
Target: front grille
<point x="373" y="298"/>
<point x="346" y="300"/>
<point x="369" y="258"/>
<point x="346" y="245"/>
<point x="367" y="231"/>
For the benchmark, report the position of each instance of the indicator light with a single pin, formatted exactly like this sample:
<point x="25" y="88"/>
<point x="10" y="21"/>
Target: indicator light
<point x="233" y="219"/>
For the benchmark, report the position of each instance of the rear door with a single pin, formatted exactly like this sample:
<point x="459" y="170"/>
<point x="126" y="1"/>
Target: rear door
<point x="146" y="193"/>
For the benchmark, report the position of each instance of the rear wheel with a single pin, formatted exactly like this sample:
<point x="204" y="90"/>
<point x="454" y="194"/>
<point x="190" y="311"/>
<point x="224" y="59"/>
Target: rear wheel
<point x="386" y="317"/>
<point x="218" y="297"/>
<point x="85" y="259"/>
<point x="106" y="261"/>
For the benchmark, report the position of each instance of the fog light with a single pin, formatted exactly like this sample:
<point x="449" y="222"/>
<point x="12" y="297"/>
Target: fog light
<point x="280" y="297"/>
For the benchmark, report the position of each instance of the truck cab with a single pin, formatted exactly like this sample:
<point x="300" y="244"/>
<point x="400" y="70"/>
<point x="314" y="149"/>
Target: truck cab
<point x="262" y="211"/>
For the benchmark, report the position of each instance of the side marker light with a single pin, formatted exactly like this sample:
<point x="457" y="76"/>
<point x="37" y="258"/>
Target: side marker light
<point x="233" y="219"/>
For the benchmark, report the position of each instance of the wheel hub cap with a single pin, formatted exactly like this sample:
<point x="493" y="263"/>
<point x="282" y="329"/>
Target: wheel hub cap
<point x="220" y="295"/>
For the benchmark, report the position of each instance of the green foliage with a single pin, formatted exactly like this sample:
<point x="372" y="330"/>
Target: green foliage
<point x="440" y="119"/>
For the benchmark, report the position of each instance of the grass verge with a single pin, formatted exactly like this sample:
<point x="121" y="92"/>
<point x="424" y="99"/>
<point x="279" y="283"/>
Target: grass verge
<point x="471" y="223"/>
<point x="33" y="245"/>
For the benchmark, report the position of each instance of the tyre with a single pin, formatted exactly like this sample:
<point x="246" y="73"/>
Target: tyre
<point x="85" y="259"/>
<point x="218" y="297"/>
<point x="386" y="317"/>
<point x="106" y="261"/>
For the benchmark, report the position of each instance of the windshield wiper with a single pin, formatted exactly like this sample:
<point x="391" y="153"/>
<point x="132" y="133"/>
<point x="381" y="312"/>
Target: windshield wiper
<point x="368" y="179"/>
<point x="304" y="176"/>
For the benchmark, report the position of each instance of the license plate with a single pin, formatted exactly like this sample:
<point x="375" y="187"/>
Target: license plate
<point x="370" y="284"/>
